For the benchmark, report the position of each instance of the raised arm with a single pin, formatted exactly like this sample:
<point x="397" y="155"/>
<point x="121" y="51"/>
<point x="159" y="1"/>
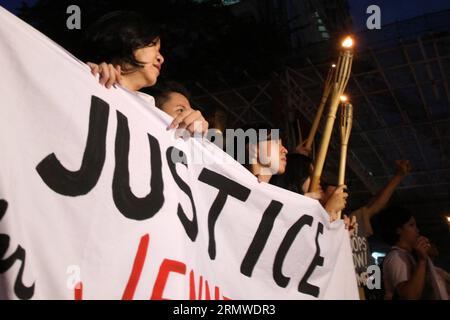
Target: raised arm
<point x="385" y="194"/>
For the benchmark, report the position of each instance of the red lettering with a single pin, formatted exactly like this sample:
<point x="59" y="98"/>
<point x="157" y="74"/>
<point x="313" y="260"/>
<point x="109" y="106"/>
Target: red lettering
<point x="191" y="285"/>
<point x="200" y="289"/>
<point x="79" y="291"/>
<point x="167" y="266"/>
<point x="192" y="293"/>
<point x="207" y="293"/>
<point x="217" y="294"/>
<point x="137" y="268"/>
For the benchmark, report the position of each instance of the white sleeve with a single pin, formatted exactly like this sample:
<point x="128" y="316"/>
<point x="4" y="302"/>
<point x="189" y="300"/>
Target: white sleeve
<point x="396" y="269"/>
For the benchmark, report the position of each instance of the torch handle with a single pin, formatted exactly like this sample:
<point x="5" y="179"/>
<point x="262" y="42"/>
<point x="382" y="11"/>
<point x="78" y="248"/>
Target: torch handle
<point x="315" y="124"/>
<point x="346" y="127"/>
<point x="342" y="164"/>
<point x="326" y="137"/>
<point x="341" y="177"/>
<point x="340" y="81"/>
<point x="323" y="101"/>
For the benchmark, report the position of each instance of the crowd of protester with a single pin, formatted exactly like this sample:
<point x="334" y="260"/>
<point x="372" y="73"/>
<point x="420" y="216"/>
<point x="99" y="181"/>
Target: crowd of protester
<point x="123" y="48"/>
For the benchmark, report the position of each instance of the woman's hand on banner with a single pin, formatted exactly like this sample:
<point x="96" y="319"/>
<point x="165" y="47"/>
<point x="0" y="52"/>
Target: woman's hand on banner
<point x="191" y="120"/>
<point x="109" y="74"/>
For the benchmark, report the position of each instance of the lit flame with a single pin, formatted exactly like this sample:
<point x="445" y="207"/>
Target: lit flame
<point x="448" y="219"/>
<point x="344" y="98"/>
<point x="333" y="65"/>
<point x="348" y="42"/>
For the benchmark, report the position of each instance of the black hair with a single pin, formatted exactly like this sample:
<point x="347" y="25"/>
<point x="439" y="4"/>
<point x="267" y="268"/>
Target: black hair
<point x="391" y="219"/>
<point x="161" y="92"/>
<point x="297" y="171"/>
<point x="328" y="183"/>
<point x="114" y="37"/>
<point x="258" y="126"/>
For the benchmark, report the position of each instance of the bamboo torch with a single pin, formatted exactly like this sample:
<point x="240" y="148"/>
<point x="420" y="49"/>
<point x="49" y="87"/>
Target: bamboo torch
<point x="340" y="81"/>
<point x="346" y="128"/>
<point x="326" y="92"/>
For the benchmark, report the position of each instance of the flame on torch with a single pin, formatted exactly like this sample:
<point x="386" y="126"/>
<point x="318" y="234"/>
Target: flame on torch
<point x="347" y="43"/>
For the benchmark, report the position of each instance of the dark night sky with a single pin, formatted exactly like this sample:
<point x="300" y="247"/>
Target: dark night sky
<point x="11" y="5"/>
<point x="394" y="10"/>
<point x="391" y="10"/>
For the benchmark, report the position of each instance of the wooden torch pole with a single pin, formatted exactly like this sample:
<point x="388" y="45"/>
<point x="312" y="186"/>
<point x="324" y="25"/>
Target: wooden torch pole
<point x="326" y="92"/>
<point x="341" y="77"/>
<point x="346" y="128"/>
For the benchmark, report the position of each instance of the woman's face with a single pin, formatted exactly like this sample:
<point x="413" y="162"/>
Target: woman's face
<point x="175" y="104"/>
<point x="152" y="60"/>
<point x="282" y="152"/>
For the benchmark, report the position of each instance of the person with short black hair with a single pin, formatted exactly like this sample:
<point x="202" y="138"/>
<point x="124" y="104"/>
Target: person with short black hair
<point x="172" y="98"/>
<point x="264" y="153"/>
<point x="407" y="270"/>
<point x="124" y="48"/>
<point x="362" y="257"/>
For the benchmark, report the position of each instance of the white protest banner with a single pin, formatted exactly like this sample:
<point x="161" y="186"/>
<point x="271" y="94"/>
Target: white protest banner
<point x="100" y="201"/>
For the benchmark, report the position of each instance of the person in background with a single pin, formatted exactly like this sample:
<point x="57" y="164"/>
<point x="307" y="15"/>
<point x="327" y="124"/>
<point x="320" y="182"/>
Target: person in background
<point x="362" y="257"/>
<point x="444" y="276"/>
<point x="172" y="98"/>
<point x="124" y="48"/>
<point x="408" y="272"/>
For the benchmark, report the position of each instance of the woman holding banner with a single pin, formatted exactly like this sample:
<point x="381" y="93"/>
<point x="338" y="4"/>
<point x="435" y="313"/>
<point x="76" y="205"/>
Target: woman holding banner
<point x="124" y="48"/>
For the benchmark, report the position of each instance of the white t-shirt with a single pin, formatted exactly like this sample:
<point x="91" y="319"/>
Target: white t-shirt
<point x="146" y="97"/>
<point x="398" y="267"/>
